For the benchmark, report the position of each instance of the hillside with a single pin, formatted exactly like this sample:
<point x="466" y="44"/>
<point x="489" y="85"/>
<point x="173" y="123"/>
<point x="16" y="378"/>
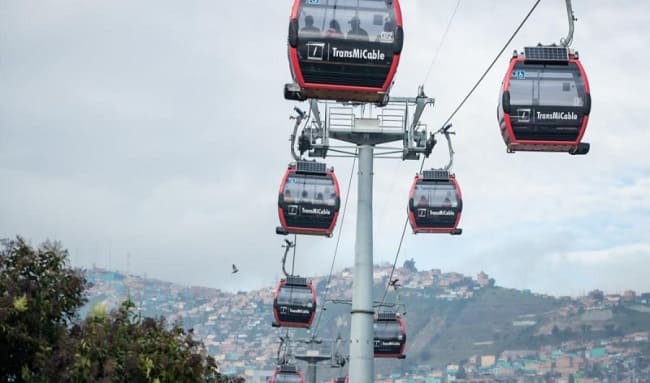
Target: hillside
<point x="449" y="317"/>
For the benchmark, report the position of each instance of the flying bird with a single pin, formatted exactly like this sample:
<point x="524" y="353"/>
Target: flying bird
<point x="234" y="268"/>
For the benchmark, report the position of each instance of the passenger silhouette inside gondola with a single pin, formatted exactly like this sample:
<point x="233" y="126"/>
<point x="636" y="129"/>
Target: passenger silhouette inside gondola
<point x="332" y="198"/>
<point x="334" y="30"/>
<point x="309" y="27"/>
<point x="386" y="36"/>
<point x="422" y="202"/>
<point x="287" y="196"/>
<point x="356" y="32"/>
<point x="447" y="201"/>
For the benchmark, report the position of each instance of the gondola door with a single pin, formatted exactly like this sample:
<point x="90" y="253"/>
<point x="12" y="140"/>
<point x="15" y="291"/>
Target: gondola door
<point x="294" y="303"/>
<point x="435" y="203"/>
<point x="344" y="50"/>
<point x="309" y="199"/>
<point x="389" y="336"/>
<point x="545" y="102"/>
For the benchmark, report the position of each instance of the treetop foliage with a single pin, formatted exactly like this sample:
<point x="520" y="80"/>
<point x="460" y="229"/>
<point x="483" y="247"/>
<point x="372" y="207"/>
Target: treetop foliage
<point x="42" y="338"/>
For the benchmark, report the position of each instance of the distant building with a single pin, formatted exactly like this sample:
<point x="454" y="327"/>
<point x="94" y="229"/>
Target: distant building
<point x="563" y="362"/>
<point x="645" y="298"/>
<point x="483" y="279"/>
<point x="488" y="360"/>
<point x="629" y="295"/>
<point x="518" y="354"/>
<point x="596" y="295"/>
<point x="596" y="353"/>
<point x="613" y="298"/>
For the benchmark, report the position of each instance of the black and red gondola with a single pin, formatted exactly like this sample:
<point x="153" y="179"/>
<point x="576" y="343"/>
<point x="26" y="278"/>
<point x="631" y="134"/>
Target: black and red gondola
<point x="327" y="63"/>
<point x="286" y="374"/>
<point x="309" y="199"/>
<point x="294" y="303"/>
<point x="390" y="335"/>
<point x="435" y="203"/>
<point x="545" y="101"/>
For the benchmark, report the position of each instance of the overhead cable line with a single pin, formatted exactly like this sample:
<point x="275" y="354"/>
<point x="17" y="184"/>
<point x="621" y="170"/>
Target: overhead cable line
<point x="336" y="248"/>
<point x="505" y="46"/>
<point x="445" y="126"/>
<point x="390" y="277"/>
<point x="442" y="40"/>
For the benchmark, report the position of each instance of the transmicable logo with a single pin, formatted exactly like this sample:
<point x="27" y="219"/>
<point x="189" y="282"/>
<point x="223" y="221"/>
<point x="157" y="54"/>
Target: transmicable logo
<point x="315" y="51"/>
<point x="441" y="212"/>
<point x="563" y="116"/>
<point x="359" y="54"/>
<point x="523" y="115"/>
<point x="315" y="211"/>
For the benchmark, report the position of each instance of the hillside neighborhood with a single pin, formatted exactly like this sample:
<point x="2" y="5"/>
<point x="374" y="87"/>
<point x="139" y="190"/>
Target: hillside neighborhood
<point x="584" y="339"/>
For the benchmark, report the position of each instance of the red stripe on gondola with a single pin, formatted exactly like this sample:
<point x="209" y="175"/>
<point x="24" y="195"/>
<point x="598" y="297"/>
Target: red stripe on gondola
<point x="304" y="230"/>
<point x="402" y="326"/>
<point x="542" y="145"/>
<point x="276" y="315"/>
<point x="434" y="230"/>
<point x="299" y="78"/>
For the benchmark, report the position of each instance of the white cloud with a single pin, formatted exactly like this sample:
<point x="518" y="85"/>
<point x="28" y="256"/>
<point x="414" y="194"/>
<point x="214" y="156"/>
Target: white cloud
<point x="617" y="255"/>
<point x="159" y="130"/>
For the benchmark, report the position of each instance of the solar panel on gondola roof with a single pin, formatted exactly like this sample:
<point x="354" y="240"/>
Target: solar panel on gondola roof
<point x="386" y="316"/>
<point x="297" y="281"/>
<point x="551" y="54"/>
<point x="288" y="368"/>
<point x="318" y="73"/>
<point x="431" y="175"/>
<point x="547" y="82"/>
<point x="311" y="167"/>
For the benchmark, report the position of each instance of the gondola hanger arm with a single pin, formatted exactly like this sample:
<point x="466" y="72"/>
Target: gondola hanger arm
<point x="287" y="247"/>
<point x="299" y="117"/>
<point x="447" y="134"/>
<point x="566" y="41"/>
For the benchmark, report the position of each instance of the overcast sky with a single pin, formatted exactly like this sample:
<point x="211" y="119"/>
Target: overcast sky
<point x="158" y="129"/>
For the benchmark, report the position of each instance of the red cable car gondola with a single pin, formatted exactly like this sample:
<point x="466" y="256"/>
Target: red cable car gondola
<point x="435" y="203"/>
<point x="545" y="101"/>
<point x="286" y="374"/>
<point x="390" y="336"/>
<point x="309" y="199"/>
<point x="294" y="303"/>
<point x="327" y="63"/>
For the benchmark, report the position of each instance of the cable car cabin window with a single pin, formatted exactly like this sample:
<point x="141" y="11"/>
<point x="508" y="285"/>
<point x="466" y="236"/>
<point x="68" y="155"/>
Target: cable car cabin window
<point x="287" y="378"/>
<point x="295" y="296"/>
<point x="547" y="86"/>
<point x="435" y="195"/>
<point x="388" y="330"/>
<point x="367" y="20"/>
<point x="310" y="190"/>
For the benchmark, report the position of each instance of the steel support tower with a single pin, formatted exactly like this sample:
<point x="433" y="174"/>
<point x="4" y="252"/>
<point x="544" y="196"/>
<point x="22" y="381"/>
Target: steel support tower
<point x="368" y="128"/>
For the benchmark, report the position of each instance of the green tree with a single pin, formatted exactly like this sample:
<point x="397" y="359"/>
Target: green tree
<point x="409" y="265"/>
<point x="39" y="296"/>
<point x="555" y="331"/>
<point x="42" y="339"/>
<point x="126" y="347"/>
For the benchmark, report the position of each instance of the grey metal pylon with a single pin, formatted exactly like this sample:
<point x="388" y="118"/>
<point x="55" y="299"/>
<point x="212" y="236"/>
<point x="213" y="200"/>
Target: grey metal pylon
<point x="361" y="327"/>
<point x="367" y="131"/>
